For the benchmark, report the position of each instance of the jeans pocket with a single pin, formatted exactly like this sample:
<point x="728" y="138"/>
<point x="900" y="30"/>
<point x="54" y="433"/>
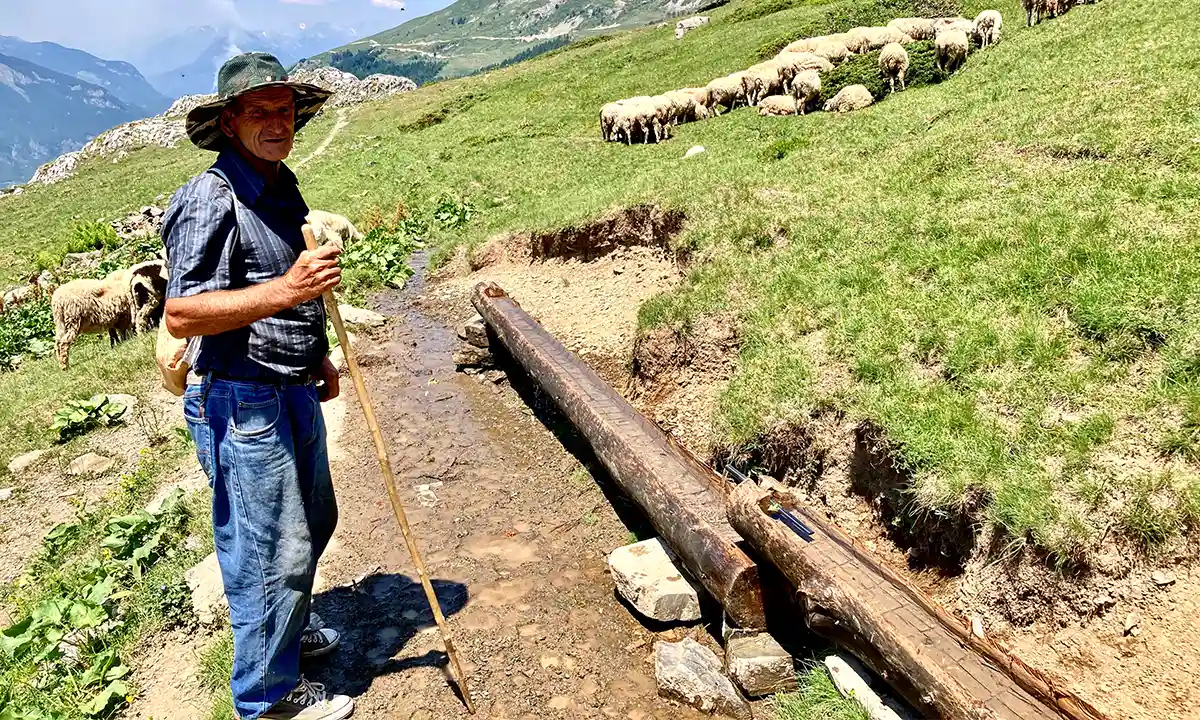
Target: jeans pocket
<point x="255" y="412"/>
<point x="200" y="436"/>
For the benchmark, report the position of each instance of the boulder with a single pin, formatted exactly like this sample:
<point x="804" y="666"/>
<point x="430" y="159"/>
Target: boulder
<point x="471" y="356"/>
<point x="21" y="463"/>
<point x="358" y="317"/>
<point x="759" y="665"/>
<point x="90" y="464"/>
<point x="685" y="26"/>
<point x="208" y="591"/>
<point x="690" y="673"/>
<point x="474" y="332"/>
<point x="646" y="575"/>
<point x="694" y="150"/>
<point x="82" y="262"/>
<point x="6" y="494"/>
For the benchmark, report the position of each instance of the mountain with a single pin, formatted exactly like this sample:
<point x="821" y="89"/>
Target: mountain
<point x="44" y="113"/>
<point x="119" y="78"/>
<point x="187" y="63"/>
<point x="472" y="34"/>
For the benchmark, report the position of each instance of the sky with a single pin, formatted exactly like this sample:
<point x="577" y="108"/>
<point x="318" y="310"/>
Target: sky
<point x="117" y="29"/>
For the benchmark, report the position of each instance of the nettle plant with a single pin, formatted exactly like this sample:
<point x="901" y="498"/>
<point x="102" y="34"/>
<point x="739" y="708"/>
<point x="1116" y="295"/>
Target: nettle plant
<point x="79" y="417"/>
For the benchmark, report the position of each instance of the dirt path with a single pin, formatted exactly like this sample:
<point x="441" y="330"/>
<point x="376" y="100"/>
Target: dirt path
<point x="338" y="126"/>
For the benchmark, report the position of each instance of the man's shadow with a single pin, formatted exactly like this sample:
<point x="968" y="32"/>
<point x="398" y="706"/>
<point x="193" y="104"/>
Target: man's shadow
<point x="377" y="617"/>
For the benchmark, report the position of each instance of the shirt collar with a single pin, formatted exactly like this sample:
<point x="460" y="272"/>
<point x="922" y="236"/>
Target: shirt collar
<point x="248" y="184"/>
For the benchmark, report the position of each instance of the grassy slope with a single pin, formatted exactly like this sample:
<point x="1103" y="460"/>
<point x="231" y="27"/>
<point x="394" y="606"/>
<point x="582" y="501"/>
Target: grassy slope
<point x="993" y="270"/>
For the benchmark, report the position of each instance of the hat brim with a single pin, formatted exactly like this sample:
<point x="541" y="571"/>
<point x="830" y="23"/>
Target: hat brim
<point x="204" y="121"/>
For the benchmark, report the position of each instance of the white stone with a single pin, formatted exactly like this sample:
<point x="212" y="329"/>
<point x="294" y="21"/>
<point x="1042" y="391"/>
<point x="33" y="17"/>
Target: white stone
<point x="691" y="674"/>
<point x="360" y="317"/>
<point x="646" y="575"/>
<point x="208" y="591"/>
<point x="6" y="494"/>
<point x="759" y="665"/>
<point x="90" y="464"/>
<point x="854" y="684"/>
<point x="685" y="26"/>
<point x="21" y="463"/>
<point x="128" y="401"/>
<point x="474" y="332"/>
<point x="1162" y="577"/>
<point x="694" y="150"/>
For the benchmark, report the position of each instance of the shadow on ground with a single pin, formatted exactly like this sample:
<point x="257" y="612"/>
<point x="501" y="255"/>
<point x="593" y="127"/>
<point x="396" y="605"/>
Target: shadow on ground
<point x="377" y="618"/>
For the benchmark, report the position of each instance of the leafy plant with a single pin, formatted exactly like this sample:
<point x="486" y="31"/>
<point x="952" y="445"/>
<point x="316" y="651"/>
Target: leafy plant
<point x="88" y="236"/>
<point x="81" y="416"/>
<point x="136" y="540"/>
<point x="452" y="213"/>
<point x="26" y="329"/>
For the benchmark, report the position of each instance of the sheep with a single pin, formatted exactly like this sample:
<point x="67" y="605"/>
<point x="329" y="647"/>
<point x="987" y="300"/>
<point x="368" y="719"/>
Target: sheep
<point x="893" y="62"/>
<point x="148" y="285"/>
<point x="916" y="28"/>
<point x="700" y="94"/>
<point x="806" y="87"/>
<point x="777" y="105"/>
<point x="952" y="47"/>
<point x="88" y="306"/>
<point x="1052" y="8"/>
<point x="987" y="27"/>
<point x="857" y="41"/>
<point x="791" y="64"/>
<point x="330" y="228"/>
<point x="1033" y="11"/>
<point x="874" y="38"/>
<point x="664" y="111"/>
<point x="850" y="98"/>
<point x="640" y="115"/>
<point x="608" y="119"/>
<point x="727" y="91"/>
<point x="803" y="45"/>
<point x="685" y="105"/>
<point x="760" y="81"/>
<point x="835" y="51"/>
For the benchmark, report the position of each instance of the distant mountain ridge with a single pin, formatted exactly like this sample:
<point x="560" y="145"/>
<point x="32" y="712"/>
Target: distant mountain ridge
<point x="44" y="113"/>
<point x="120" y="78"/>
<point x="472" y="34"/>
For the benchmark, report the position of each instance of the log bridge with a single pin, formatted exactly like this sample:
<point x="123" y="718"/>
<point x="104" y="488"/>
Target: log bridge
<point x="844" y="594"/>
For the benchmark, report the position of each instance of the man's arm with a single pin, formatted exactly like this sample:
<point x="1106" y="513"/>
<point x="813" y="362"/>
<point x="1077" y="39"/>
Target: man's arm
<point x="219" y="311"/>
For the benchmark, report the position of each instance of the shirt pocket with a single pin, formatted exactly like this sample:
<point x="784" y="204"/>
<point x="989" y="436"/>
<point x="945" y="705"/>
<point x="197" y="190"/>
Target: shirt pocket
<point x="256" y="411"/>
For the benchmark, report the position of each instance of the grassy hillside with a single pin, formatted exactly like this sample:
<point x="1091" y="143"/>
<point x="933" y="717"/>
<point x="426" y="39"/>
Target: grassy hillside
<point x="994" y="272"/>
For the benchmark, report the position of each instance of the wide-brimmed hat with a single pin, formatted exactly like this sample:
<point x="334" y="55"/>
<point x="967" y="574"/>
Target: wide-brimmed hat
<point x="244" y="74"/>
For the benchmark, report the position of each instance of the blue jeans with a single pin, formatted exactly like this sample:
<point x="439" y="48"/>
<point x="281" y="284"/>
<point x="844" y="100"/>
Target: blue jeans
<point x="263" y="449"/>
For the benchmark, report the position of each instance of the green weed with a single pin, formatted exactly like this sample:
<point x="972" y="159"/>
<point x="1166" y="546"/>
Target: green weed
<point x="817" y="699"/>
<point x="26" y="331"/>
<point x="79" y="417"/>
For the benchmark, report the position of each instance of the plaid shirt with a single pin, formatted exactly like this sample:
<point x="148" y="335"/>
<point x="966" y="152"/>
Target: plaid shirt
<point x="227" y="236"/>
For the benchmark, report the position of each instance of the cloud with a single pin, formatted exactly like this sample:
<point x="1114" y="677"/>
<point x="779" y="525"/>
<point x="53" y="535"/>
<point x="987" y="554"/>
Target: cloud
<point x="302" y="2"/>
<point x="392" y="4"/>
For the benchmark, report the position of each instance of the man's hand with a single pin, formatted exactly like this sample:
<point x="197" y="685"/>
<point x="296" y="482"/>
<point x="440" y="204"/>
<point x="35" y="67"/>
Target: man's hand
<point x="314" y="272"/>
<point x="328" y="377"/>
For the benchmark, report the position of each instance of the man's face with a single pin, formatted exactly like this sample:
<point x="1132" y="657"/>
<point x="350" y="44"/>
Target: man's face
<point x="265" y="122"/>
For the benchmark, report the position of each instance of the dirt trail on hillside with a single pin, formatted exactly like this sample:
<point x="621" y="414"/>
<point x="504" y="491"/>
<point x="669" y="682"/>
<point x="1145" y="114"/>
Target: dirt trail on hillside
<point x="515" y="533"/>
<point x="342" y="122"/>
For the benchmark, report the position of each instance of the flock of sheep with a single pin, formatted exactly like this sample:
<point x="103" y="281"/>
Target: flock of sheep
<point x="790" y="83"/>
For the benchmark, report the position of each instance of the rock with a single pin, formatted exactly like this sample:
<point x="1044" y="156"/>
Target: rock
<point x="759" y="665"/>
<point x="690" y="673"/>
<point x="358" y="317"/>
<point x="208" y="591"/>
<point x="685" y="26"/>
<point x="1162" y="578"/>
<point x="90" y="464"/>
<point x="646" y="575"/>
<point x="471" y="356"/>
<point x="338" y="356"/>
<point x="474" y="331"/>
<point x="1133" y="624"/>
<point x="694" y="150"/>
<point x="977" y="627"/>
<point x="1103" y="601"/>
<point x="184" y="105"/>
<point x="854" y="683"/>
<point x="21" y="463"/>
<point x="82" y="262"/>
<point x="494" y="376"/>
<point x="348" y="89"/>
<point x="21" y="295"/>
<point x="6" y="494"/>
<point x="128" y="401"/>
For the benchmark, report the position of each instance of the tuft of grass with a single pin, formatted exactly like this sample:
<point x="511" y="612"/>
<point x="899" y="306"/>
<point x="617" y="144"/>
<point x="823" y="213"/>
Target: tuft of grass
<point x="817" y="699"/>
<point x="216" y="666"/>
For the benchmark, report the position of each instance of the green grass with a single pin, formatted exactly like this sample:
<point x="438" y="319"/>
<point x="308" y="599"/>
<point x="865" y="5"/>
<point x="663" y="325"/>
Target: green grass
<point x="216" y="666"/>
<point x="997" y="266"/>
<point x="817" y="699"/>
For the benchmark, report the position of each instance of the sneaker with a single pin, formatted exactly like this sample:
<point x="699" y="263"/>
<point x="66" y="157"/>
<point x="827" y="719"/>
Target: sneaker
<point x="318" y="640"/>
<point x="309" y="701"/>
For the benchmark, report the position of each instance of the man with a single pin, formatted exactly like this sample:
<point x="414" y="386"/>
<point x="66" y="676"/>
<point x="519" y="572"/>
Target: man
<point x="244" y="287"/>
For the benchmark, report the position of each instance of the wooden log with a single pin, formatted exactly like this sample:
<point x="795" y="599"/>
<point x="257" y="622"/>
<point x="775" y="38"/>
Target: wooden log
<point x="929" y="657"/>
<point x="684" y="500"/>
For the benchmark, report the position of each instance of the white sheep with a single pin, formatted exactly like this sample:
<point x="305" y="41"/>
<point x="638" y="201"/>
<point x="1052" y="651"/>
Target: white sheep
<point x="876" y="37"/>
<point x="777" y="105"/>
<point x="835" y="51"/>
<point x="761" y="80"/>
<point x="806" y="88"/>
<point x="850" y="98"/>
<point x="685" y="106"/>
<point x="790" y="64"/>
<point x="952" y="47"/>
<point x="91" y="306"/>
<point x="727" y="91"/>
<point x="1033" y="11"/>
<point x="642" y="116"/>
<point x="987" y="27"/>
<point x="700" y="94"/>
<point x="608" y="119"/>
<point x="857" y="42"/>
<point x="916" y="28"/>
<point x="803" y="45"/>
<point x="893" y="62"/>
<point x="330" y="228"/>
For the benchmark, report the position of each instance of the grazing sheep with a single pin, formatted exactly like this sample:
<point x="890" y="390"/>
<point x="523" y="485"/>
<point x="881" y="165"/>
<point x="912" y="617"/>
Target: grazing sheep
<point x="727" y="91"/>
<point x="686" y="107"/>
<point x="641" y="115"/>
<point x="893" y="62"/>
<point x="803" y="45"/>
<point x="849" y="99"/>
<point x="89" y="306"/>
<point x="987" y="27"/>
<point x="608" y="119"/>
<point x="777" y="105"/>
<point x="1033" y="11"/>
<point x="835" y="51"/>
<point x="806" y="87"/>
<point x="952" y="47"/>
<point x="760" y="81"/>
<point x="700" y="94"/>
<point x="148" y="285"/>
<point x="664" y="111"/>
<point x="330" y="228"/>
<point x="915" y="28"/>
<point x="874" y="38"/>
<point x="791" y="64"/>
<point x="1053" y="8"/>
<point x="857" y="41"/>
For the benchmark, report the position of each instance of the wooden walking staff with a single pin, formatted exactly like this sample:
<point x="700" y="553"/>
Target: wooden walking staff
<point x="381" y="452"/>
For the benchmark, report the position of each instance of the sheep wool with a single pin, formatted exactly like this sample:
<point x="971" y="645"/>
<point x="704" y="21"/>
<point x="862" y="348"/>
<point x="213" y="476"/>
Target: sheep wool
<point x="916" y="28"/>
<point x="835" y="51"/>
<point x="806" y="88"/>
<point x="330" y="228"/>
<point x="94" y="306"/>
<point x="849" y="99"/>
<point x="952" y="47"/>
<point x="725" y="91"/>
<point x="608" y="119"/>
<point x="893" y="62"/>
<point x="987" y="27"/>
<point x="777" y="105"/>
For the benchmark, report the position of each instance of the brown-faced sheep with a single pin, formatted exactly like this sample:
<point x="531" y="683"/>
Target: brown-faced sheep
<point x="850" y="98"/>
<point x="112" y="304"/>
<point x="806" y="88"/>
<point x="791" y="64"/>
<point x="952" y="47"/>
<point x="893" y="62"/>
